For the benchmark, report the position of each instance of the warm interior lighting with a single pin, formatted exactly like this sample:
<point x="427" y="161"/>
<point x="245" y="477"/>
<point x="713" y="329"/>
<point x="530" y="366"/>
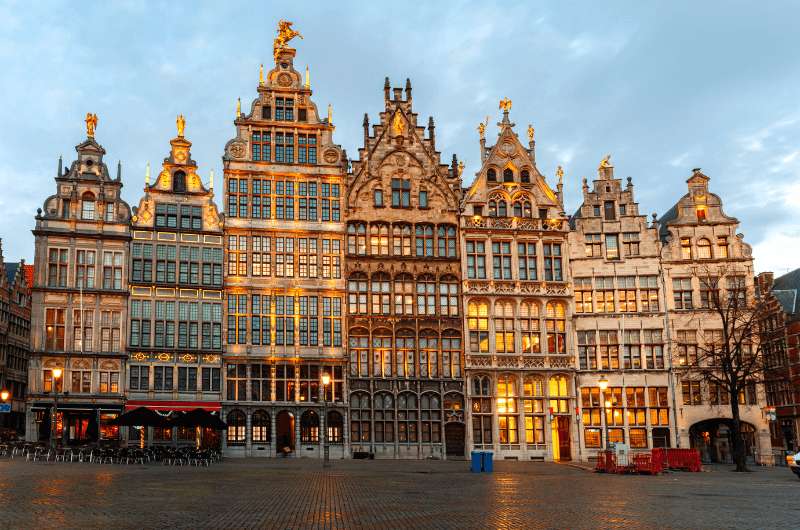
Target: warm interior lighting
<point x="608" y="403"/>
<point x="4" y="395"/>
<point x="326" y="379"/>
<point x="602" y="383"/>
<point x="56" y="373"/>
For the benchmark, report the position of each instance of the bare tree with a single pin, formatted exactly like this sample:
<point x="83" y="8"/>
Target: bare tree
<point x="729" y="358"/>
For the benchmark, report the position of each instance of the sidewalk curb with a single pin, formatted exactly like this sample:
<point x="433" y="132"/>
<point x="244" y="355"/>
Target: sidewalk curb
<point x="577" y="466"/>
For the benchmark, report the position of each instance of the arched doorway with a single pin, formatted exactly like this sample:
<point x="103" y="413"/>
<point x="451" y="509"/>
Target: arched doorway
<point x="454" y="434"/>
<point x="713" y="439"/>
<point x="284" y="429"/>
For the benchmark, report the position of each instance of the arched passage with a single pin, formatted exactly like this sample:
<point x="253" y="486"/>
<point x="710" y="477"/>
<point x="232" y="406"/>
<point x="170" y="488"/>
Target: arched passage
<point x="713" y="439"/>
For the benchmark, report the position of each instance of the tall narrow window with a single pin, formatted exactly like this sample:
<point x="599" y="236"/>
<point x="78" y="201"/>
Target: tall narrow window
<point x="529" y="325"/>
<point x="504" y="327"/>
<point x="612" y="246"/>
<point x="526" y="254"/>
<point x="552" y="262"/>
<point x="501" y="260"/>
<point x="609" y="212"/>
<point x="476" y="260"/>
<point x="88" y="206"/>
<point x="401" y="193"/>
<point x="556" y="328"/>
<point x="478" y="324"/>
<point x="686" y="248"/>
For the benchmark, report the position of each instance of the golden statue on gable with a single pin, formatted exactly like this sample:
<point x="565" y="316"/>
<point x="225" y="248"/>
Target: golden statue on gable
<point x="285" y="34"/>
<point x="605" y="162"/>
<point x="180" y="123"/>
<point x="398" y="124"/>
<point x="560" y="174"/>
<point x="91" y="124"/>
<point x="505" y="104"/>
<point x="531" y="132"/>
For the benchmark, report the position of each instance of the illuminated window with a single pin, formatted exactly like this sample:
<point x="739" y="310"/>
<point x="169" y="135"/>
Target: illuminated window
<point x="556" y="328"/>
<point x="530" y="328"/>
<point x="379" y="239"/>
<point x="504" y="327"/>
<point x="609" y="350"/>
<point x="722" y="247"/>
<point x="648" y="293"/>
<point x="401" y="240"/>
<point x="604" y="299"/>
<point x="260" y="427"/>
<point x="478" y="324"/>
<point x="703" y="248"/>
<point x="533" y="407"/>
<point x="559" y="394"/>
<point x="690" y="393"/>
<point x="507" y="410"/>
<point x="237" y="426"/>
<point x="626" y="293"/>
<point x="687" y="347"/>
<point x="630" y="243"/>
<point x="583" y="295"/>
<point x="309" y="427"/>
<point x="592" y="245"/>
<point x="701" y="213"/>
<point x="686" y="248"/>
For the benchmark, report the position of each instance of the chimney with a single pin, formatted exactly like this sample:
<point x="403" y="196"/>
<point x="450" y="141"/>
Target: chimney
<point x="764" y="281"/>
<point x="386" y="89"/>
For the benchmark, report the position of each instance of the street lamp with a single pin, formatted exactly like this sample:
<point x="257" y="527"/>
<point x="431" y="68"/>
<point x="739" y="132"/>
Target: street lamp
<point x="602" y="383"/>
<point x="53" y="422"/>
<point x="4" y="395"/>
<point x="326" y="380"/>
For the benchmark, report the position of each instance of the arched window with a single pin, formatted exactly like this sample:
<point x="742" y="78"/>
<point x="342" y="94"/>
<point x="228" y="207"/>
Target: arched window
<point x="401" y="240"/>
<point x="424" y="241"/>
<point x="426" y="295"/>
<point x="517" y="209"/>
<point x="431" y="416"/>
<point x="179" y="182"/>
<point x="508" y="175"/>
<point x="502" y="209"/>
<point x="334" y="427"/>
<point x="448" y="296"/>
<point x="309" y="427"/>
<point x="492" y="208"/>
<point x="87" y="206"/>
<point x="357" y="238"/>
<point x="559" y="394"/>
<point x="507" y="409"/>
<point x="525" y="175"/>
<point x="529" y="324"/>
<point x="407" y="415"/>
<point x="527" y="211"/>
<point x="703" y="248"/>
<point x="481" y="411"/>
<point x="446" y="241"/>
<point x="404" y="294"/>
<point x="491" y="175"/>
<point x="357" y="294"/>
<point x="556" y="324"/>
<point x="237" y="425"/>
<point x="358" y="342"/>
<point x="384" y="417"/>
<point x="428" y="354"/>
<point x="404" y="345"/>
<point x="478" y="324"/>
<point x="381" y="302"/>
<point x="382" y="353"/>
<point x="359" y="417"/>
<point x="379" y="240"/>
<point x="260" y="427"/>
<point x="533" y="405"/>
<point x="504" y="327"/>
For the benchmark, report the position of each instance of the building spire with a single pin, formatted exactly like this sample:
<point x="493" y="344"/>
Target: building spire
<point x="147" y="174"/>
<point x="330" y="114"/>
<point x="211" y="180"/>
<point x="238" y="107"/>
<point x="60" y="166"/>
<point x="261" y="75"/>
<point x="308" y="79"/>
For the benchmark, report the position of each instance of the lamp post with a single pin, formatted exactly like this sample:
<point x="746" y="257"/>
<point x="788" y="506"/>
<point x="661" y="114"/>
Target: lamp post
<point x="54" y="420"/>
<point x="602" y="383"/>
<point x="4" y="395"/>
<point x="326" y="380"/>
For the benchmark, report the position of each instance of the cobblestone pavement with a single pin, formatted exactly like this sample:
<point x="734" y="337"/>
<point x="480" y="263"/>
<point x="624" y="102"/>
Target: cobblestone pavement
<point x="298" y="493"/>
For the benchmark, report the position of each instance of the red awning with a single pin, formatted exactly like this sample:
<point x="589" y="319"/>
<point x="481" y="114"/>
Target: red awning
<point x="178" y="406"/>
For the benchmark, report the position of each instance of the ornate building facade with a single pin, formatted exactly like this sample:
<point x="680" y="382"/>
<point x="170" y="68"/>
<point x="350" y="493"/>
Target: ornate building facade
<point x="176" y="302"/>
<point x="700" y="242"/>
<point x="79" y="308"/>
<point x="619" y="321"/>
<point x="15" y="334"/>
<point x="403" y="275"/>
<point x="284" y="181"/>
<point x="519" y="356"/>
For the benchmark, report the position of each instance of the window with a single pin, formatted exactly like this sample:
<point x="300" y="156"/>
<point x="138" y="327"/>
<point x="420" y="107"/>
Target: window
<point x="306" y="149"/>
<point x="237" y="427"/>
<point x="501" y="260"/>
<point x="382" y="354"/>
<point x="426" y="295"/>
<point x="187" y="379"/>
<point x="631" y="351"/>
<point x="502" y="209"/>
<point x="555" y="325"/>
<point x="604" y="296"/>
<point x="357" y="295"/>
<point x="57" y="259"/>
<point x="404" y="294"/>
<point x="690" y="391"/>
<point x="682" y="293"/>
<point x="191" y="217"/>
<point x="112" y="270"/>
<point x="109" y="212"/>
<point x="709" y="292"/>
<point x="508" y="175"/>
<point x="703" y="248"/>
<point x="630" y="243"/>
<point x="401" y="193"/>
<point x="81" y="381"/>
<point x="525" y="175"/>
<point x="701" y="213"/>
<point x="596" y="210"/>
<point x="587" y="350"/>
<point x="608" y="211"/>
<point x="284" y="109"/>
<point x="529" y="326"/>
<point x="261" y="144"/>
<point x="653" y="348"/>
<point x="526" y="254"/>
<point x="504" y="327"/>
<point x="722" y="247"/>
<point x="552" y="262"/>
<point x="448" y="296"/>
<point x="686" y="248"/>
<point x="533" y="407"/>
<point x="379" y="239"/>
<point x="210" y="379"/>
<point x="424" y="240"/>
<point x="648" y="293"/>
<point x="82" y="331"/>
<point x="583" y="295"/>
<point x="609" y="350"/>
<point x="481" y="411"/>
<point x="87" y="206"/>
<point x="612" y="246"/>
<point x="623" y="209"/>
<point x="423" y="199"/>
<point x="331" y="258"/>
<point x="237" y="318"/>
<point x="491" y="175"/>
<point x="109" y="382"/>
<point x="446" y="241"/>
<point x="559" y="394"/>
<point x="377" y="196"/>
<point x="478" y="324"/>
<point x="451" y="354"/>
<point x="736" y="288"/>
<point x="54" y="329"/>
<point x="167" y="214"/>
<point x="406" y="418"/>
<point x="357" y="239"/>
<point x="492" y="208"/>
<point x="380" y="294"/>
<point x="284" y="257"/>
<point x="309" y="427"/>
<point x="359" y="352"/>
<point x="626" y="293"/>
<point x="428" y="354"/>
<point x="360" y="417"/>
<point x="65" y="208"/>
<point x="236" y="382"/>
<point x="85" y="269"/>
<point x="476" y="260"/>
<point x="139" y="377"/>
<point x="592" y="245"/>
<point x="430" y="418"/>
<point x="507" y="410"/>
<point x="687" y="347"/>
<point x="384" y="417"/>
<point x="162" y="378"/>
<point x="260" y="429"/>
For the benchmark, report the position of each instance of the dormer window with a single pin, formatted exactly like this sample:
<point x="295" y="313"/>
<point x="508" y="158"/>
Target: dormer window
<point x="179" y="182"/>
<point x="623" y="209"/>
<point x="109" y="214"/>
<point x="266" y="112"/>
<point x="608" y="210"/>
<point x="701" y="213"/>
<point x="525" y="175"/>
<point x="401" y="193"/>
<point x="491" y="175"/>
<point x="508" y="175"/>
<point x="87" y="206"/>
<point x="284" y="109"/>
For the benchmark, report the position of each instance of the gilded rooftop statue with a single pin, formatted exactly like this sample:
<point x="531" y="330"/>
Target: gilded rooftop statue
<point x="91" y="124"/>
<point x="285" y="34"/>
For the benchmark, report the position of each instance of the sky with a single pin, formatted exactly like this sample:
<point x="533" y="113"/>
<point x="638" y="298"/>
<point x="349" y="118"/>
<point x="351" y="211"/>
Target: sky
<point x="663" y="86"/>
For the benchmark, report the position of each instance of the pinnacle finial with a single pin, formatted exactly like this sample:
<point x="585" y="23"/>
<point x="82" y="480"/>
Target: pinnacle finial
<point x="308" y="78"/>
<point x="147" y="174"/>
<point x="330" y="114"/>
<point x="261" y="75"/>
<point x="211" y="180"/>
<point x="238" y="107"/>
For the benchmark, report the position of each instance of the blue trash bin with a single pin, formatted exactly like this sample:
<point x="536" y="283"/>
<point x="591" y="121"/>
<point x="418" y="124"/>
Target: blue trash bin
<point x="488" y="463"/>
<point x="475" y="461"/>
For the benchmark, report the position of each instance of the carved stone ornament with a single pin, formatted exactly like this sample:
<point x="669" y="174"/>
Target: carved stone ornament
<point x="284" y="79"/>
<point x="237" y="150"/>
<point x="507" y="149"/>
<point x="331" y="156"/>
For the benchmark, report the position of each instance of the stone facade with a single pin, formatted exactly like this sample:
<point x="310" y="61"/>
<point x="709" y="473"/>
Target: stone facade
<point x="403" y="269"/>
<point x="79" y="309"/>
<point x="519" y="353"/>
<point x="15" y="331"/>
<point x="284" y="181"/>
<point x="700" y="241"/>
<point x="176" y="303"/>
<point x="619" y="321"/>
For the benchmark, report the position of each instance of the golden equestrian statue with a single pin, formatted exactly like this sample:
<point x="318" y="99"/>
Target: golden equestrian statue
<point x="285" y="34"/>
<point x="180" y="123"/>
<point x="605" y="162"/>
<point x="91" y="124"/>
<point x="505" y="104"/>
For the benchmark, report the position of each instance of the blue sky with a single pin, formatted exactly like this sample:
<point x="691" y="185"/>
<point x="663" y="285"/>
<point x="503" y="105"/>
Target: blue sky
<point x="663" y="86"/>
